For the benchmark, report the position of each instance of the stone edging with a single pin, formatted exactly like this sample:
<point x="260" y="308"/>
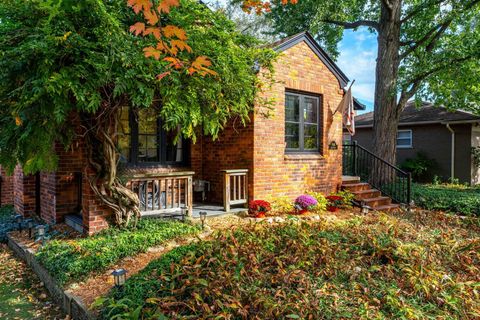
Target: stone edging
<point x="70" y="304"/>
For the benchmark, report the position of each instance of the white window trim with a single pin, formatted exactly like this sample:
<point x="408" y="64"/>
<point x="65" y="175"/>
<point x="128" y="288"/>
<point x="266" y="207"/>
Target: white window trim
<point x="411" y="140"/>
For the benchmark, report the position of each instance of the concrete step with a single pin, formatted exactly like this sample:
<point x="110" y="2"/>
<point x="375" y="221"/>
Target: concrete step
<point x="387" y="208"/>
<point x="365" y="194"/>
<point x="359" y="186"/>
<point x="350" y="179"/>
<point x="377" y="201"/>
<point x="74" y="221"/>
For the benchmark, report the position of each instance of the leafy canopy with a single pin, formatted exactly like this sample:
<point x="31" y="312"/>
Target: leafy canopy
<point x="439" y="40"/>
<point x="64" y="57"/>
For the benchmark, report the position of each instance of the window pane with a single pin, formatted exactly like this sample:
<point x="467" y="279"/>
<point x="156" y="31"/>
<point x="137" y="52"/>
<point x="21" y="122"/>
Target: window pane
<point x="124" y="125"/>
<point x="292" y="135"/>
<point x="147" y="121"/>
<point x="124" y="147"/>
<point x="404" y="142"/>
<point x="404" y="134"/>
<point x="310" y="137"/>
<point x="174" y="151"/>
<point x="124" y="141"/>
<point x="310" y="110"/>
<point x="292" y="106"/>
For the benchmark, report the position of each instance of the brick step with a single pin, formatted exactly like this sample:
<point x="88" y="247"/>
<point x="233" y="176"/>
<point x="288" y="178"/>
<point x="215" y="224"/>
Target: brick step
<point x="377" y="201"/>
<point x="387" y="208"/>
<point x="359" y="186"/>
<point x="365" y="194"/>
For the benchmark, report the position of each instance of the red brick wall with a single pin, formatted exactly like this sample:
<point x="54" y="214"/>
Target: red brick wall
<point x="279" y="174"/>
<point x="23" y="192"/>
<point x="232" y="150"/>
<point x="6" y="188"/>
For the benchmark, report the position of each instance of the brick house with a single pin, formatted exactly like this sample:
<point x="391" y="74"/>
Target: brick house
<point x="445" y="136"/>
<point x="285" y="154"/>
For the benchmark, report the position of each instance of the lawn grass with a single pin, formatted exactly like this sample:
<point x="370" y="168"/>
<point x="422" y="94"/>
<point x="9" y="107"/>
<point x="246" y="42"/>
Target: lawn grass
<point x="21" y="295"/>
<point x="382" y="266"/>
<point x="452" y="198"/>
<point x="73" y="260"/>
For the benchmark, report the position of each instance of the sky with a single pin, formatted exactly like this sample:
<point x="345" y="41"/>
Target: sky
<point x="358" y="52"/>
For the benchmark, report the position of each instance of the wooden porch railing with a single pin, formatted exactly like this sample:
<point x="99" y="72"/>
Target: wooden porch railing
<point x="235" y="189"/>
<point x="167" y="193"/>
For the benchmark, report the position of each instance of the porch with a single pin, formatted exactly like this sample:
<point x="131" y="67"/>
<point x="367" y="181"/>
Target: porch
<point x="180" y="194"/>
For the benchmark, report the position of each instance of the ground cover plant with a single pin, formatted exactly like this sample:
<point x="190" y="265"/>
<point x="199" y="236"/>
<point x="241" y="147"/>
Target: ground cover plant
<point x="453" y="198"/>
<point x="74" y="259"/>
<point x="380" y="266"/>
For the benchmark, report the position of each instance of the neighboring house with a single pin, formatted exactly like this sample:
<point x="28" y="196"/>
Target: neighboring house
<point x="282" y="155"/>
<point x="447" y="137"/>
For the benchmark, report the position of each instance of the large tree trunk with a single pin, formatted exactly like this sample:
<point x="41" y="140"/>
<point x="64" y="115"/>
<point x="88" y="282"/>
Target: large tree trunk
<point x="387" y="113"/>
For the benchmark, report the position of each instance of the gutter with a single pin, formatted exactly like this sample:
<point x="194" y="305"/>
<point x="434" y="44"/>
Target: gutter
<point x="425" y="122"/>
<point x="452" y="168"/>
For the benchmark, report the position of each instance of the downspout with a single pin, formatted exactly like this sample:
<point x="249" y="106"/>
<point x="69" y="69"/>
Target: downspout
<point x="452" y="169"/>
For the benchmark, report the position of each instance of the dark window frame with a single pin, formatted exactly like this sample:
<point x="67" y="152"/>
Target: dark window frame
<point x="301" y="149"/>
<point x="161" y="148"/>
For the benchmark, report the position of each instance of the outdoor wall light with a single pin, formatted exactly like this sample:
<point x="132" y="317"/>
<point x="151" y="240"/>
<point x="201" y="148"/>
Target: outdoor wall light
<point x="333" y="146"/>
<point x="203" y="217"/>
<point x="365" y="209"/>
<point x="119" y="277"/>
<point x="18" y="220"/>
<point x="29" y="227"/>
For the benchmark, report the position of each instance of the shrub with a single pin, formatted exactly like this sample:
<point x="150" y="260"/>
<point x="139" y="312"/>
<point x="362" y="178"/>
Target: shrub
<point x="305" y="202"/>
<point x="281" y="205"/>
<point x="421" y="167"/>
<point x="75" y="259"/>
<point x="347" y="198"/>
<point x="453" y="198"/>
<point x="321" y="201"/>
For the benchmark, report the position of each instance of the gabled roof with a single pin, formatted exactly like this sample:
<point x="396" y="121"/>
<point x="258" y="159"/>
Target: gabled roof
<point x="291" y="41"/>
<point x="425" y="114"/>
<point x="357" y="105"/>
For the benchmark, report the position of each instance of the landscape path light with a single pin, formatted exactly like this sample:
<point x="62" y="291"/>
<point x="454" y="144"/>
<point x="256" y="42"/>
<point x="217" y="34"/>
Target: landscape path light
<point x="119" y="277"/>
<point x="18" y="220"/>
<point x="203" y="217"/>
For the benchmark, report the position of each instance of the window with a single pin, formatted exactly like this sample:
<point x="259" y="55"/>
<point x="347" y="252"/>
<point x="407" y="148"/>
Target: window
<point x="302" y="119"/>
<point x="143" y="141"/>
<point x="404" y="139"/>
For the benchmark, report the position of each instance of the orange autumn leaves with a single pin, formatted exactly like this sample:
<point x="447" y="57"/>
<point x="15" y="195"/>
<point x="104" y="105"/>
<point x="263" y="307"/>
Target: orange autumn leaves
<point x="260" y="6"/>
<point x="171" y="40"/>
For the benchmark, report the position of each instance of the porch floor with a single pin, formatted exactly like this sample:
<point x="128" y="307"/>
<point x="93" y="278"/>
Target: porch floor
<point x="214" y="210"/>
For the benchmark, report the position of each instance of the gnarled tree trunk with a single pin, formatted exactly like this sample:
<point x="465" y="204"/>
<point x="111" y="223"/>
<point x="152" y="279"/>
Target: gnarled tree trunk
<point x="103" y="156"/>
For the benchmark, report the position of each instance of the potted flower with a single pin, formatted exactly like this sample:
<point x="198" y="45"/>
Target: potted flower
<point x="259" y="208"/>
<point x="305" y="203"/>
<point x="334" y="203"/>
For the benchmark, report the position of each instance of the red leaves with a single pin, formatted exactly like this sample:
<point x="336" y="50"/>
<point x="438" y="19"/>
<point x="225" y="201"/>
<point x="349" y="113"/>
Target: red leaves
<point x="171" y="40"/>
<point x="260" y="6"/>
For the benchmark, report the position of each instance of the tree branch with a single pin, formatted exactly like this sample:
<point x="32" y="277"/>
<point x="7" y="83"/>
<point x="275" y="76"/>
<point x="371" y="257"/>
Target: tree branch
<point x="411" y="88"/>
<point x="437" y="31"/>
<point x="353" y="25"/>
<point x="419" y="9"/>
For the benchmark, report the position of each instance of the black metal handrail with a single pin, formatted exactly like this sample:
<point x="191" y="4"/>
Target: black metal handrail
<point x="379" y="173"/>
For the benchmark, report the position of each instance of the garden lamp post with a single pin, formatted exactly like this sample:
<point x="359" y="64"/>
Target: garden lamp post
<point x="365" y="209"/>
<point x="119" y="277"/>
<point x="40" y="231"/>
<point x="30" y="227"/>
<point x="18" y="220"/>
<point x="203" y="217"/>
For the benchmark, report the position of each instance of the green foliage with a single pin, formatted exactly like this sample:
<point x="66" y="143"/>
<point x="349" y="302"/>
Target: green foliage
<point x="61" y="57"/>
<point x="347" y="198"/>
<point x="422" y="167"/>
<point x="453" y="198"/>
<point x="281" y="205"/>
<point x="476" y="156"/>
<point x="438" y="55"/>
<point x="73" y="260"/>
<point x="375" y="267"/>
<point x="321" y="201"/>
